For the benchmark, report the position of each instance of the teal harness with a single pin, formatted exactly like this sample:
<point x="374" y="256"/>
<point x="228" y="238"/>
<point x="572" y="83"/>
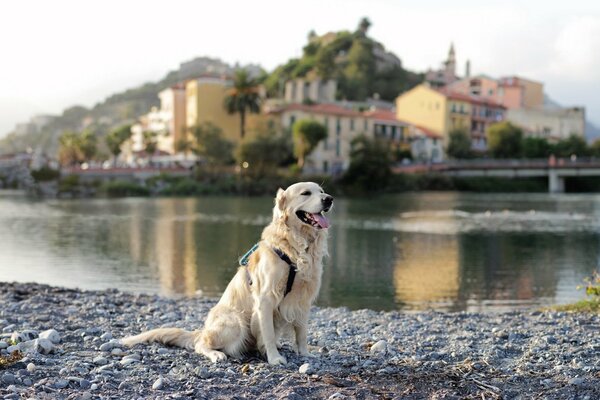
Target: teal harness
<point x="291" y="275"/>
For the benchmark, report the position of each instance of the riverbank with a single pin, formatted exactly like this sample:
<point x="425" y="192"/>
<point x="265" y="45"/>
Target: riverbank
<point x="360" y="354"/>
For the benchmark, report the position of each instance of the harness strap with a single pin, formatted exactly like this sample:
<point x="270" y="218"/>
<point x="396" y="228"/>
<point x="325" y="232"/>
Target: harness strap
<point x="292" y="272"/>
<point x="292" y="267"/>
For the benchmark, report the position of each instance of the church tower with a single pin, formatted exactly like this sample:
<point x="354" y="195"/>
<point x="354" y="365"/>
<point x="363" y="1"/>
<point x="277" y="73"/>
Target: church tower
<point x="450" y="64"/>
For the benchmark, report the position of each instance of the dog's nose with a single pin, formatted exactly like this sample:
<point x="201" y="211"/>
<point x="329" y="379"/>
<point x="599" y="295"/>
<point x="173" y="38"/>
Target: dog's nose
<point x="327" y="201"/>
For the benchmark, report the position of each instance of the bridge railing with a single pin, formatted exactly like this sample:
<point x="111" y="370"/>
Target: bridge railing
<point x="489" y="163"/>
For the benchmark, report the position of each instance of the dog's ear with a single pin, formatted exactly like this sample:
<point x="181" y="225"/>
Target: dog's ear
<point x="278" y="210"/>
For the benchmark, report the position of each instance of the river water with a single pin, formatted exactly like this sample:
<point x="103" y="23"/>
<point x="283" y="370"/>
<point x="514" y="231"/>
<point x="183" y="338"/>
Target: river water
<point x="445" y="251"/>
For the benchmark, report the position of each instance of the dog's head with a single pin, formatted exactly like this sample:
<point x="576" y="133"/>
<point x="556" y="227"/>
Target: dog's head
<point x="303" y="204"/>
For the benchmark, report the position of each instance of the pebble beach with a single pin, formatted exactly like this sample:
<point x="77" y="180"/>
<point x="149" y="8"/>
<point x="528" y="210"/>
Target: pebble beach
<point x="65" y="345"/>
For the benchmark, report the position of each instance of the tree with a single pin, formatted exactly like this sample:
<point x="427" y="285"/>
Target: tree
<point x="210" y="144"/>
<point x="459" y="144"/>
<point x="505" y="140"/>
<point x="242" y="97"/>
<point x="573" y="145"/>
<point x="595" y="148"/>
<point x="264" y="153"/>
<point x="364" y="25"/>
<point x="88" y="144"/>
<point x="535" y="147"/>
<point x="115" y="139"/>
<point x="150" y="143"/>
<point x="370" y="161"/>
<point x="307" y="134"/>
<point x="184" y="145"/>
<point x="69" y="151"/>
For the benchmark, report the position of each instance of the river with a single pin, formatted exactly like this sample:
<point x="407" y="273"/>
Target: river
<point x="437" y="250"/>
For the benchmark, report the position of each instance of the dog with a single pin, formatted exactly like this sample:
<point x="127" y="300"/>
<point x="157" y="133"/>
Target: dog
<point x="272" y="293"/>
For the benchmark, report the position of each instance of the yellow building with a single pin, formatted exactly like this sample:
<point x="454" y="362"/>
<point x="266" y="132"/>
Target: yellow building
<point x="204" y="103"/>
<point x="435" y="110"/>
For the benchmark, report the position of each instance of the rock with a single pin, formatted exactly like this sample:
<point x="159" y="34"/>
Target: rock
<point x="379" y="347"/>
<point x="61" y="384"/>
<point x="85" y="384"/>
<point x="52" y="335"/>
<point x="27" y="382"/>
<point x="337" y="396"/>
<point x="158" y="384"/>
<point x="106" y="336"/>
<point x="107" y="346"/>
<point x="94" y="386"/>
<point x="100" y="360"/>
<point x="14" y="347"/>
<point x="9" y="328"/>
<point x="31" y="367"/>
<point x="128" y="361"/>
<point x="117" y="352"/>
<point x="44" y="346"/>
<point x="8" y="378"/>
<point x="305" y="368"/>
<point x="577" y="381"/>
<point x="3" y="345"/>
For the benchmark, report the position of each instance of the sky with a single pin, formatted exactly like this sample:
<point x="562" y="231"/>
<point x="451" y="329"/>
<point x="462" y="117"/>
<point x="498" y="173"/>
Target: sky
<point x="59" y="53"/>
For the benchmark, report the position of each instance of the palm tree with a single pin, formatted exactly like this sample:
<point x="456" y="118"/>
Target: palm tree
<point x="69" y="152"/>
<point x="115" y="139"/>
<point x="242" y="97"/>
<point x="307" y="134"/>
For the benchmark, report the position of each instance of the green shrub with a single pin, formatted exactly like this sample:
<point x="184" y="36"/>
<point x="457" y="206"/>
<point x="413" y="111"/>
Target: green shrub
<point x="123" y="188"/>
<point x="45" y="174"/>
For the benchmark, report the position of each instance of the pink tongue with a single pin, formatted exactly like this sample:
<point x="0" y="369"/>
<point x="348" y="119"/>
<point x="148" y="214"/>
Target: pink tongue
<point x="321" y="220"/>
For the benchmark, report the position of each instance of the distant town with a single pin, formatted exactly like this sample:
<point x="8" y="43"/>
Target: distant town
<point x="217" y="116"/>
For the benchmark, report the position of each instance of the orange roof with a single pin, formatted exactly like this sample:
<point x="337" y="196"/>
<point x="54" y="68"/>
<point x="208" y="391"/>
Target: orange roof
<point x="429" y="133"/>
<point x="469" y="98"/>
<point x="383" y="115"/>
<point x="329" y="109"/>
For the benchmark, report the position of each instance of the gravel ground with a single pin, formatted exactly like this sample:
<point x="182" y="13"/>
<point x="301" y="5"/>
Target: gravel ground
<point x="69" y="342"/>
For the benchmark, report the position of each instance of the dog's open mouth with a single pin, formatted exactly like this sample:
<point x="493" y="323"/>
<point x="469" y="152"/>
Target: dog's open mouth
<point x="318" y="220"/>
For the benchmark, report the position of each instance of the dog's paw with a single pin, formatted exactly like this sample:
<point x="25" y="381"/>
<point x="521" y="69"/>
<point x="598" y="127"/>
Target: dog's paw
<point x="216" y="356"/>
<point x="307" y="353"/>
<point x="277" y="360"/>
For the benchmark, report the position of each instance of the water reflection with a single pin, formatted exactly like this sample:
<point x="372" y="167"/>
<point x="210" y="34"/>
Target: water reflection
<point x="446" y="251"/>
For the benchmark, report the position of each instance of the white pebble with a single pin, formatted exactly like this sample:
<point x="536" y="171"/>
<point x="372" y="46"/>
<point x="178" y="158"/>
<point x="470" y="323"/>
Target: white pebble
<point x="305" y="368"/>
<point x="44" y="346"/>
<point x="379" y="347"/>
<point x="31" y="367"/>
<point x="158" y="384"/>
<point x="52" y="335"/>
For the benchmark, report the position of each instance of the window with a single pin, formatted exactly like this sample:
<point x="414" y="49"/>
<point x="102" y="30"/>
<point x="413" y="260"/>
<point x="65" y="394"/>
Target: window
<point x="325" y="166"/>
<point x="292" y="120"/>
<point x="393" y="135"/>
<point x="338" y="126"/>
<point x="366" y="126"/>
<point x="351" y="124"/>
<point x="337" y="147"/>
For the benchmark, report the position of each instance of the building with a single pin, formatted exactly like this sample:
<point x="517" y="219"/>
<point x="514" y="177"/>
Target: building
<point x="172" y="115"/>
<point x="441" y="111"/>
<point x="332" y="155"/>
<point x="524" y="100"/>
<point x="446" y="74"/>
<point x="551" y="124"/>
<point x="425" y="145"/>
<point x="204" y="103"/>
<point x="316" y="90"/>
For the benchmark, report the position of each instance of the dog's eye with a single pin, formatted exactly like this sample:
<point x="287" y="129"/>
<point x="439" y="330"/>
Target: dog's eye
<point x="307" y="193"/>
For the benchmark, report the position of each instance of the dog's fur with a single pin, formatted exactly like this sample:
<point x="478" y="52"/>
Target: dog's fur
<point x="252" y="313"/>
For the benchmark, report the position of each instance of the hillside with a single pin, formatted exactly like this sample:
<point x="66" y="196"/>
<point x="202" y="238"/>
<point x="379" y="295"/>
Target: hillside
<point x="115" y="110"/>
<point x="361" y="65"/>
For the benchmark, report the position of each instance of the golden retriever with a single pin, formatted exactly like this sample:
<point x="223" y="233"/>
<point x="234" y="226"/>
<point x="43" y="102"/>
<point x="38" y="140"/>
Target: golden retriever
<point x="256" y="307"/>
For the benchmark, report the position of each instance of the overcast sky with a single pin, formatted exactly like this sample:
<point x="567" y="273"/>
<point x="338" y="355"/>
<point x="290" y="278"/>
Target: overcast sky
<point x="59" y="53"/>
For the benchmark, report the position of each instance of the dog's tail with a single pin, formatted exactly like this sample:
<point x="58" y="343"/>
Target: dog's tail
<point x="169" y="336"/>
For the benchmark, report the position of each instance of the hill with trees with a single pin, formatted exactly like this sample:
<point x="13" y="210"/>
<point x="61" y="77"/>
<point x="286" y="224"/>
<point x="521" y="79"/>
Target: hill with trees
<point x="362" y="66"/>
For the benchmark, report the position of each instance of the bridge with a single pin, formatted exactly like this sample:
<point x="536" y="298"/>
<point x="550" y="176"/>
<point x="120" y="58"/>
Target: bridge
<point x="555" y="169"/>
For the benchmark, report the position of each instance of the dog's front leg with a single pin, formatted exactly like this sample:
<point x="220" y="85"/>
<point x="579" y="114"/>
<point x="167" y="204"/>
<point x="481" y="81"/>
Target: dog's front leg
<point x="267" y="330"/>
<point x="300" y="327"/>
